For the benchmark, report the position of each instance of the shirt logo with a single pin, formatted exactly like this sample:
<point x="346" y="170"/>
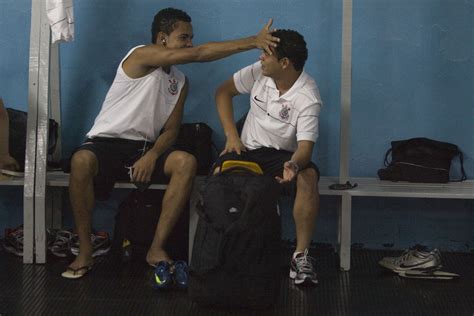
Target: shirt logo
<point x="285" y="112"/>
<point x="173" y="88"/>
<point x="257" y="99"/>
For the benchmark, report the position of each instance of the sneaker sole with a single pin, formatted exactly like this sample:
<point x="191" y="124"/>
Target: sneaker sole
<point x="59" y="254"/>
<point x="13" y="250"/>
<point x="306" y="281"/>
<point x="97" y="253"/>
<point x="440" y="275"/>
<point x="424" y="265"/>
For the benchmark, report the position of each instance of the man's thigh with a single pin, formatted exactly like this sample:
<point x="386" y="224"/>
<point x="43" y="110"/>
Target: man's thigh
<point x="113" y="157"/>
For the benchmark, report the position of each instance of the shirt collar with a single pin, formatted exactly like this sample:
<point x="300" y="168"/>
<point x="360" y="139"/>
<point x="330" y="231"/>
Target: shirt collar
<point x="288" y="95"/>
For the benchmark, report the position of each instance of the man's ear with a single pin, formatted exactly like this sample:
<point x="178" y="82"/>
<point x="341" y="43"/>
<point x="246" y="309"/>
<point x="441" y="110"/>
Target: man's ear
<point x="161" y="38"/>
<point x="284" y="62"/>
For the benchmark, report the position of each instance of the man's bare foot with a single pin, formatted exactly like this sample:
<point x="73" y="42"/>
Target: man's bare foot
<point x="81" y="261"/>
<point x="156" y="255"/>
<point x="79" y="267"/>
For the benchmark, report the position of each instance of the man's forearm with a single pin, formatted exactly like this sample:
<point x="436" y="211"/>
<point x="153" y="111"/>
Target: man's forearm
<point x="217" y="50"/>
<point x="302" y="156"/>
<point x="226" y="115"/>
<point x="163" y="142"/>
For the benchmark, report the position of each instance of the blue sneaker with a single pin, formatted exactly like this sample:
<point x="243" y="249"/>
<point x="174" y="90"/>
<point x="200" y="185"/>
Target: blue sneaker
<point x="180" y="274"/>
<point x="162" y="276"/>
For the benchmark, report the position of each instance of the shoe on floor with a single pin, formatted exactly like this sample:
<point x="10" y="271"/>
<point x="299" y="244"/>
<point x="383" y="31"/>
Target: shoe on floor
<point x="302" y="269"/>
<point x="61" y="246"/>
<point x="413" y="259"/>
<point x="180" y="274"/>
<point x="78" y="273"/>
<point x="100" y="244"/>
<point x="162" y="278"/>
<point x="13" y="241"/>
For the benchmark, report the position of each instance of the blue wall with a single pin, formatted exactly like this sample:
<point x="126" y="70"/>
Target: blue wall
<point x="413" y="71"/>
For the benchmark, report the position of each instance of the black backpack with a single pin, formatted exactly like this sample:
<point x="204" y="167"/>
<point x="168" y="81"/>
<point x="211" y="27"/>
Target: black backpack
<point x="17" y="135"/>
<point x="135" y="225"/>
<point x="196" y="139"/>
<point x="236" y="253"/>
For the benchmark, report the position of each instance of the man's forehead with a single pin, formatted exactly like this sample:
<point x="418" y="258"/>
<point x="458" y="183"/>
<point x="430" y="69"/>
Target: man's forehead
<point x="182" y="27"/>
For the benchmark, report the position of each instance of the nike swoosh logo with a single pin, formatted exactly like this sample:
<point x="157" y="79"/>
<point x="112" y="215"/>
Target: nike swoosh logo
<point x="256" y="99"/>
<point x="413" y="265"/>
<point x="157" y="279"/>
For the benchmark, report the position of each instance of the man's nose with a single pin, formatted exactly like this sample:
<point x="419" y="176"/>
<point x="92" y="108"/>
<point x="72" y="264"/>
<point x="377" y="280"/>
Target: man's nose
<point x="189" y="43"/>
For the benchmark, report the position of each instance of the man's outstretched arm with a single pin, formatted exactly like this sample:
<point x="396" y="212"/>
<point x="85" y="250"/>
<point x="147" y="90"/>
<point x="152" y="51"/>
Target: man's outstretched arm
<point x="159" y="56"/>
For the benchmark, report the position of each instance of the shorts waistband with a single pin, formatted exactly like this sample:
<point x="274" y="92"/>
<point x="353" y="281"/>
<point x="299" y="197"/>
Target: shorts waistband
<point x="118" y="140"/>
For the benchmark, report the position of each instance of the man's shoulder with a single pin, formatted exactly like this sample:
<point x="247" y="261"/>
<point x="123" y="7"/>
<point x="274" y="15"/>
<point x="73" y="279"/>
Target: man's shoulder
<point x="309" y="92"/>
<point x="178" y="73"/>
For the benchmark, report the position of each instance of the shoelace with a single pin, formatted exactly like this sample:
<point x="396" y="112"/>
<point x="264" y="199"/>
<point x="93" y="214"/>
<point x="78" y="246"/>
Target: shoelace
<point x="305" y="262"/>
<point x="405" y="255"/>
<point x="62" y="237"/>
<point x="411" y="253"/>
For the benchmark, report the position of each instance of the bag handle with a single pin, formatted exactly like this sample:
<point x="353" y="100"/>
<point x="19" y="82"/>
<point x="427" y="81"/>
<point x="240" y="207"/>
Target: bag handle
<point x="385" y="161"/>
<point x="463" y="172"/>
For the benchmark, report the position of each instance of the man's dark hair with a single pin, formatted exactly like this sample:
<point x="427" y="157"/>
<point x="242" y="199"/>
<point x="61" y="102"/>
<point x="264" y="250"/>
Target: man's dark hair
<point x="165" y="21"/>
<point x="292" y="46"/>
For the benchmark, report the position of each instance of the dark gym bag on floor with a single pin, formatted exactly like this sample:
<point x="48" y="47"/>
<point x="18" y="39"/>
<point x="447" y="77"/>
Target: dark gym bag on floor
<point x="135" y="225"/>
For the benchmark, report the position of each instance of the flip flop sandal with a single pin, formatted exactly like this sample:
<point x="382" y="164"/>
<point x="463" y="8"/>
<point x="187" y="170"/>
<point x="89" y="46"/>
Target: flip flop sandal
<point x="71" y="273"/>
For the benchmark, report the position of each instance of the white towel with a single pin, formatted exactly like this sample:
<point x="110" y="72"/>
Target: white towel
<point x="61" y="19"/>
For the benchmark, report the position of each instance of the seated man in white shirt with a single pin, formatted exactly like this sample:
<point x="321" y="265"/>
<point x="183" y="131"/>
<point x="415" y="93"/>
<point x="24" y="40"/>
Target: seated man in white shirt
<point x="279" y="133"/>
<point x="147" y="96"/>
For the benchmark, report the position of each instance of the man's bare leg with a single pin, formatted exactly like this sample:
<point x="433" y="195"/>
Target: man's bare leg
<point x="84" y="166"/>
<point x="181" y="168"/>
<point x="306" y="207"/>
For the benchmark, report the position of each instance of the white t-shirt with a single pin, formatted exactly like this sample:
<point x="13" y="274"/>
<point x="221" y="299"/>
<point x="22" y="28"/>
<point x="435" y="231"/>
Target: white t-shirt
<point x="137" y="109"/>
<point x="278" y="121"/>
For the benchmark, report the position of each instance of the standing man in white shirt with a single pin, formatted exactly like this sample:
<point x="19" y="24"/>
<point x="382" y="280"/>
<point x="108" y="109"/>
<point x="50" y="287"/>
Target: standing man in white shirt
<point x="279" y="133"/>
<point x="147" y="96"/>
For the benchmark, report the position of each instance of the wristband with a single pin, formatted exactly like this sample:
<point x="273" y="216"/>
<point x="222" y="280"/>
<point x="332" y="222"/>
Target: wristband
<point x="294" y="165"/>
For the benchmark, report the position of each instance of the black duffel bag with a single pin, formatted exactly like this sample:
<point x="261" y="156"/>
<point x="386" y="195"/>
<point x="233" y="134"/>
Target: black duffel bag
<point x="420" y="160"/>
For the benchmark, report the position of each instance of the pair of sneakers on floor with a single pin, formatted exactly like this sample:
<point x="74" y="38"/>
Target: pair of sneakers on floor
<point x="168" y="274"/>
<point x="165" y="275"/>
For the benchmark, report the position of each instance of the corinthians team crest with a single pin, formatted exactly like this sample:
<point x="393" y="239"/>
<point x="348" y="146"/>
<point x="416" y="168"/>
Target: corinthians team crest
<point x="173" y="88"/>
<point x="285" y="112"/>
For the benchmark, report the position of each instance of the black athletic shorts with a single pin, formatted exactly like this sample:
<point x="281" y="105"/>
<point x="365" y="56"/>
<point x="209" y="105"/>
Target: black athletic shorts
<point x="114" y="156"/>
<point x="271" y="161"/>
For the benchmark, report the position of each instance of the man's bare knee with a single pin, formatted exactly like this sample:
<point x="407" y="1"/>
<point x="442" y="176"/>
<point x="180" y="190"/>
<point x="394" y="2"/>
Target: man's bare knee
<point x="84" y="162"/>
<point x="307" y="179"/>
<point x="183" y="162"/>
